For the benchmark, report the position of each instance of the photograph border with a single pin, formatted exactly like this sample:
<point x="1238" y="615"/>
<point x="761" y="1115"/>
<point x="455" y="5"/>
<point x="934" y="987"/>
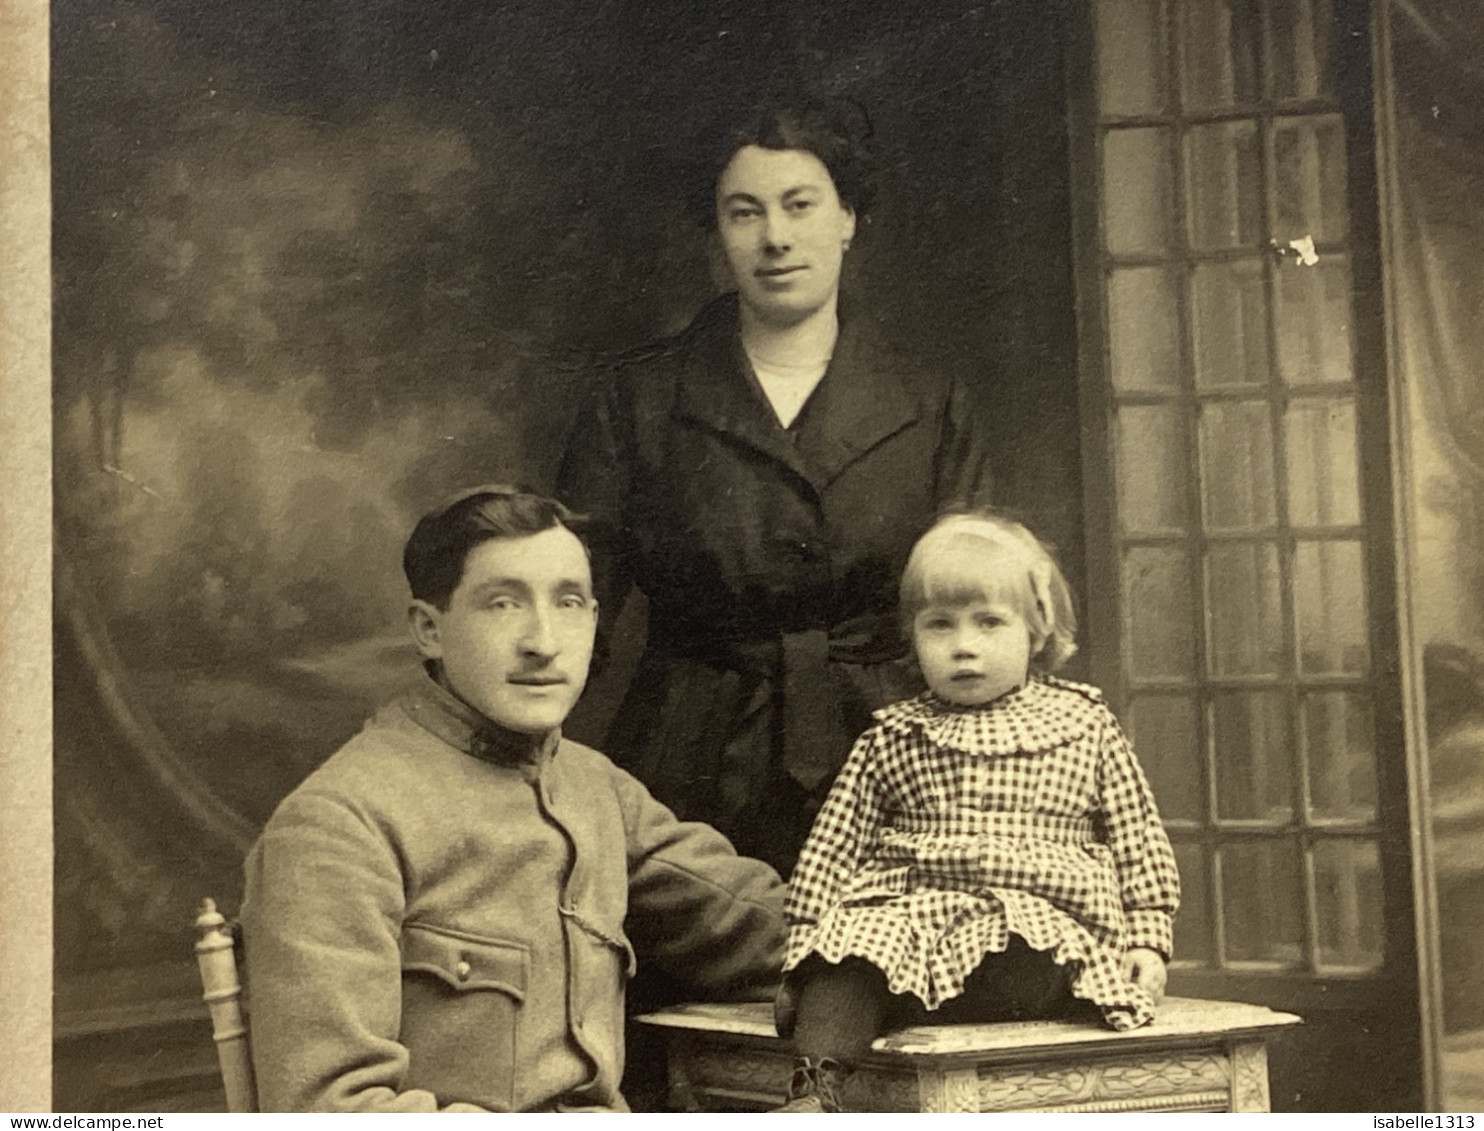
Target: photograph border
<point x="25" y="559"/>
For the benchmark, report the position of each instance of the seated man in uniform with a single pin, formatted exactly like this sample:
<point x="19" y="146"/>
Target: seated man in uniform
<point x="444" y="916"/>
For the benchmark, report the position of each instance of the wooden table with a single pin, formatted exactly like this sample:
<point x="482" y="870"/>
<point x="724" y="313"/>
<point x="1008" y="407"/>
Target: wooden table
<point x="1196" y="1056"/>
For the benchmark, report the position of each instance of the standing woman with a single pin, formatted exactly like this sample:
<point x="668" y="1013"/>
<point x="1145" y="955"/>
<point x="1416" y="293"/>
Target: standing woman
<point x="763" y="476"/>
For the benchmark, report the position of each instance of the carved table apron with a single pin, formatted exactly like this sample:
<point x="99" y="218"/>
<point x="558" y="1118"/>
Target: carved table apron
<point x="1196" y="1056"/>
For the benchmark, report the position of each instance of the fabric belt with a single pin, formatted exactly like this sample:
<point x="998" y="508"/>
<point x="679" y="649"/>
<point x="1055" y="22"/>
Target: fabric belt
<point x="1041" y="826"/>
<point x="1015" y="826"/>
<point x="798" y="665"/>
<point x="1075" y="831"/>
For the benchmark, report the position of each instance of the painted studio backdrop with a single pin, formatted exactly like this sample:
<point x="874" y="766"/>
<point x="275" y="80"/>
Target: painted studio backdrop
<point x="320" y="263"/>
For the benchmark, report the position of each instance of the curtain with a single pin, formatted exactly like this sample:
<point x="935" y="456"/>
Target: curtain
<point x="1437" y="250"/>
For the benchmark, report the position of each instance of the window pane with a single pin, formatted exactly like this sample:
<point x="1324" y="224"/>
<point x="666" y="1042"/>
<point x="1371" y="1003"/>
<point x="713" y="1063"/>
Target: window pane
<point x="1245" y="613"/>
<point x="1261" y="902"/>
<point x="1313" y="317"/>
<point x="1131" y="56"/>
<point x="1309" y="178"/>
<point x="1237" y="465"/>
<point x="1339" y="736"/>
<point x="1254" y="756"/>
<point x="1193" y="941"/>
<point x="1323" y="470"/>
<point x="1223" y="190"/>
<point x="1229" y="324"/>
<point x="1151" y="468"/>
<point x="1218" y="53"/>
<point x="1347" y="889"/>
<point x="1142" y="327"/>
<point x="1302" y="47"/>
<point x="1160" y="613"/>
<point x="1137" y="191"/>
<point x="1163" y="730"/>
<point x="1329" y="600"/>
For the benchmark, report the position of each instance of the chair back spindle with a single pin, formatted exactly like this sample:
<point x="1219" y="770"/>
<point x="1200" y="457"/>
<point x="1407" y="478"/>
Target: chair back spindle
<point x="216" y="954"/>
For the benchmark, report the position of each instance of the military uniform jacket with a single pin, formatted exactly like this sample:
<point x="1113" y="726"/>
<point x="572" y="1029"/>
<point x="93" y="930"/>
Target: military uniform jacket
<point x="426" y="930"/>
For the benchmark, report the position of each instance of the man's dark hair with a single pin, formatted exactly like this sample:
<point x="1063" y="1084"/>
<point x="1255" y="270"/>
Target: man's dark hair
<point x="443" y="539"/>
<point x="836" y="130"/>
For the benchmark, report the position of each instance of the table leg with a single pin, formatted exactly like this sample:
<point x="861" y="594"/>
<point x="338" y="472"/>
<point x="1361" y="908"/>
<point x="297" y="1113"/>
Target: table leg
<point x="1250" y="1077"/>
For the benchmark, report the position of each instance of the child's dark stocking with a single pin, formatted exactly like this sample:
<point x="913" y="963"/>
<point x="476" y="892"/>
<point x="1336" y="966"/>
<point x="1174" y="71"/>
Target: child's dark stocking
<point x="841" y="1008"/>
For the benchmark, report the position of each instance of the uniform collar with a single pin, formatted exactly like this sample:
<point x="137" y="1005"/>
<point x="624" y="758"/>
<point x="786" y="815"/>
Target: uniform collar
<point x="447" y="717"/>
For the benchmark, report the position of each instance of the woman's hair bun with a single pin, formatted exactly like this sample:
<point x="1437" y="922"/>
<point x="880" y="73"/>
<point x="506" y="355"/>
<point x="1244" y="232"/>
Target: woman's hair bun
<point x="834" y="128"/>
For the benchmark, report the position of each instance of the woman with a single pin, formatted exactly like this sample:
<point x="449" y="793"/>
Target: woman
<point x="764" y="475"/>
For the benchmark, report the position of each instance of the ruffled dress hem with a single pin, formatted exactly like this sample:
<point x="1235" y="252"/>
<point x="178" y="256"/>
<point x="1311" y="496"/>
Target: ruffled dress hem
<point x="1134" y="1013"/>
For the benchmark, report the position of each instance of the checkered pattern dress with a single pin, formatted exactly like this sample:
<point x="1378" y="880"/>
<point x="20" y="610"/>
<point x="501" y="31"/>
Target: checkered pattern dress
<point x="951" y="828"/>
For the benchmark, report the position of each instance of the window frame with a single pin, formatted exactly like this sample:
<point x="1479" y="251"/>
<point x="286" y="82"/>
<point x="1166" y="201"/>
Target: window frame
<point x="1395" y="823"/>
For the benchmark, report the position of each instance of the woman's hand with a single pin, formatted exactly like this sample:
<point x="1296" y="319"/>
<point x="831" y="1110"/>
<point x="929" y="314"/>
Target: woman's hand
<point x="1145" y="968"/>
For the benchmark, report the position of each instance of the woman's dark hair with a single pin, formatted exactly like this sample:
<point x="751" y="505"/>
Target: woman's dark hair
<point x="443" y="539"/>
<point x="836" y="130"/>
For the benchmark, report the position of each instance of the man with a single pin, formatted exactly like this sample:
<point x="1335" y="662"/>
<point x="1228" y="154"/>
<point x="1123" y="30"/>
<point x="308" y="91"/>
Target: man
<point x="444" y="915"/>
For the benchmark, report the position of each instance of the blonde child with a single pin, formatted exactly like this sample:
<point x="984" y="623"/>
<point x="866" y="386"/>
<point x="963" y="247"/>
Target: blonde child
<point x="991" y="850"/>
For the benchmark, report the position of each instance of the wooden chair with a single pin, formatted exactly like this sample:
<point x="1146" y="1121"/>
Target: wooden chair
<point x="216" y="955"/>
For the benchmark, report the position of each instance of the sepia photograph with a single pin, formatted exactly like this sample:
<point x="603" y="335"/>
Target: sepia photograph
<point x="743" y="555"/>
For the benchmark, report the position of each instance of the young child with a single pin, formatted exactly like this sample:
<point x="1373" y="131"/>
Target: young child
<point x="991" y="850"/>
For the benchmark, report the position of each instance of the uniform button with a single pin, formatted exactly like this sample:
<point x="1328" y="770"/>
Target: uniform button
<point x="463" y="970"/>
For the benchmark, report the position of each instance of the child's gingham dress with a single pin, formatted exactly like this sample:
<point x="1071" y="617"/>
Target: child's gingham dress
<point x="949" y="828"/>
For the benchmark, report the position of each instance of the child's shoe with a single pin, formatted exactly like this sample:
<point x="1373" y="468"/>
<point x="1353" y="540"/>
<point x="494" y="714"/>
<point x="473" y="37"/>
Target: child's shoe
<point x="815" y="1086"/>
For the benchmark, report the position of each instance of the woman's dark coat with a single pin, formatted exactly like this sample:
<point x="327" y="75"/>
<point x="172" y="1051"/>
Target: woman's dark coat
<point x="771" y="559"/>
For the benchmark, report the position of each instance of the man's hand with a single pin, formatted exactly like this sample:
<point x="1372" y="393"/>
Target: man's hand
<point x="1145" y="968"/>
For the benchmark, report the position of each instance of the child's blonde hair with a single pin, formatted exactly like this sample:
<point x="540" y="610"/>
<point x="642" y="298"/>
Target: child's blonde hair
<point x="1008" y="553"/>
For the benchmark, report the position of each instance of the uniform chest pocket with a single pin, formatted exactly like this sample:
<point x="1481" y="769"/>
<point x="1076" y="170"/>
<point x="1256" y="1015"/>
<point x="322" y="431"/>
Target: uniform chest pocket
<point x="462" y="998"/>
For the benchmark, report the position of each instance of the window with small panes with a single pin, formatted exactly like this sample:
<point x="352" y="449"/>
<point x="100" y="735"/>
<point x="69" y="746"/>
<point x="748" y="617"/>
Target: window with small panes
<point x="1236" y="574"/>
